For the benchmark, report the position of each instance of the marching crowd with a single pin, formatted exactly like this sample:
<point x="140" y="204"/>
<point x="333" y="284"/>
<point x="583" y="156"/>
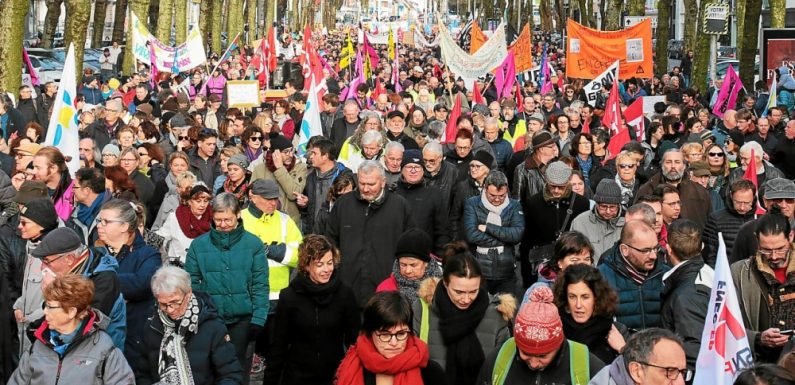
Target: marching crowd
<point x="198" y="244"/>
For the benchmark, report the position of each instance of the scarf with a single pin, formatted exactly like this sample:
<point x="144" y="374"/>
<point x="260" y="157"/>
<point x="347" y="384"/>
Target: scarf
<point x="585" y="167"/>
<point x="86" y="213"/>
<point x="464" y="354"/>
<point x="240" y="191"/>
<point x="320" y="294"/>
<point x="363" y="355"/>
<point x="626" y="191"/>
<point x="593" y="331"/>
<point x="251" y="155"/>
<point x="173" y="364"/>
<point x="494" y="218"/>
<point x="638" y="276"/>
<point x="61" y="342"/>
<point x="409" y="287"/>
<point x="191" y="226"/>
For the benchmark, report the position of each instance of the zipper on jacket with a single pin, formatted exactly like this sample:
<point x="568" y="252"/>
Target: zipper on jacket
<point x="58" y="373"/>
<point x="642" y="308"/>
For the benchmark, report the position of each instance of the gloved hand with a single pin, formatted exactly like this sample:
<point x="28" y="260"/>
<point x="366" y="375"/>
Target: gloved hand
<point x="254" y="331"/>
<point x="276" y="252"/>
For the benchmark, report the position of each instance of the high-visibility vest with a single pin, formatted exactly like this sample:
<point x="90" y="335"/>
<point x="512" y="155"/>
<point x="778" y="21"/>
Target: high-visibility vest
<point x="579" y="368"/>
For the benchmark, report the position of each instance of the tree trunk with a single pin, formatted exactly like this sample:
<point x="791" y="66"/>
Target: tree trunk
<point x="753" y="9"/>
<point x="181" y="20"/>
<point x="120" y="15"/>
<point x="77" y="14"/>
<point x="561" y="20"/>
<point x="663" y="31"/>
<point x="584" y="16"/>
<point x="530" y="19"/>
<point x="251" y="20"/>
<point x="100" y="6"/>
<point x="613" y="22"/>
<point x="50" y="21"/>
<point x="636" y="8"/>
<point x="204" y="22"/>
<point x="141" y="9"/>
<point x="701" y="62"/>
<point x="296" y="17"/>
<point x="165" y="21"/>
<point x="691" y="13"/>
<point x="603" y="14"/>
<point x="216" y="26"/>
<point x="12" y="32"/>
<point x="778" y="12"/>
<point x="154" y="16"/>
<point x="234" y="19"/>
<point x="740" y="12"/>
<point x="546" y="16"/>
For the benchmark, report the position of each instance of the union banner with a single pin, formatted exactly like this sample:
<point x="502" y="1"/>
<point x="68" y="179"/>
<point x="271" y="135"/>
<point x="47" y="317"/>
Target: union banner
<point x="590" y="52"/>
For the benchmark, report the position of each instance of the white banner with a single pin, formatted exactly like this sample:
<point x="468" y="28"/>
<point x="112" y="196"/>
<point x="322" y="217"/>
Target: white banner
<point x="242" y="93"/>
<point x="63" y="131"/>
<point x="593" y="88"/>
<point x="421" y="42"/>
<point x="188" y="55"/>
<point x="724" y="348"/>
<point x="470" y="67"/>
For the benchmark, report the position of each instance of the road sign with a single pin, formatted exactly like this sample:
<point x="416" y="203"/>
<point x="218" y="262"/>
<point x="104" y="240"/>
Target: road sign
<point x="632" y="20"/>
<point x="716" y="19"/>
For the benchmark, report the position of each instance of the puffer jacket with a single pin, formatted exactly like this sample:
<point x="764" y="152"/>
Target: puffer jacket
<point x="290" y="182"/>
<point x="91" y="358"/>
<point x="212" y="357"/>
<point x="727" y="221"/>
<point x="493" y="330"/>
<point x="638" y="305"/>
<point x="602" y="234"/>
<point x="496" y="265"/>
<point x="231" y="268"/>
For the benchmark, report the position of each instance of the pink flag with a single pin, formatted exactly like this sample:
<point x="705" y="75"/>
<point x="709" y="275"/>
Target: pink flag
<point x="547" y="76"/>
<point x="34" y="77"/>
<point x="152" y="61"/>
<point x="505" y="75"/>
<point x="727" y="97"/>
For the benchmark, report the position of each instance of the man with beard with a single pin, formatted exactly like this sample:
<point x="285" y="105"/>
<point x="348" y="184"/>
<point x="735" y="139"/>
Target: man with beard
<point x="765" y="289"/>
<point x="142" y="96"/>
<point x="696" y="203"/>
<point x="513" y="127"/>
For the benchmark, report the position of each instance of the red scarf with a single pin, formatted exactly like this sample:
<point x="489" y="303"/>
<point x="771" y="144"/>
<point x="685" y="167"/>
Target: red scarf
<point x="191" y="226"/>
<point x="405" y="366"/>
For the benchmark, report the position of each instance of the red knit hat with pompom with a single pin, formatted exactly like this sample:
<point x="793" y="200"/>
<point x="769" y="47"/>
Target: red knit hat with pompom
<point x="538" y="328"/>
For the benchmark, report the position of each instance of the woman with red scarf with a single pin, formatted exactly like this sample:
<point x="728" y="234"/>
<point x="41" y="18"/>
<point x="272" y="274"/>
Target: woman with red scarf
<point x="191" y="219"/>
<point x="387" y="351"/>
<point x="237" y="178"/>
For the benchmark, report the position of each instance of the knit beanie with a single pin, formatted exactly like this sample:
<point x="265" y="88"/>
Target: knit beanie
<point x="608" y="192"/>
<point x="538" y="328"/>
<point x="485" y="158"/>
<point x="42" y="212"/>
<point x="414" y="243"/>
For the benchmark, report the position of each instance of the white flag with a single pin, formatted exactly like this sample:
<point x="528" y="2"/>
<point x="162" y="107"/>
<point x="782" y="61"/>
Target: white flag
<point x="593" y="88"/>
<point x="724" y="344"/>
<point x="310" y="125"/>
<point x="63" y="132"/>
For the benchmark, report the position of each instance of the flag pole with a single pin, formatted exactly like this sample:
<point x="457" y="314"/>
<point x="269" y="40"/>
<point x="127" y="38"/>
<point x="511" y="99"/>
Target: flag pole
<point x="220" y="61"/>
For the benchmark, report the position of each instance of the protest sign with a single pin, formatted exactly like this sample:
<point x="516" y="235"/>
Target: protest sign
<point x="593" y="88"/>
<point x="242" y="93"/>
<point x="589" y="52"/>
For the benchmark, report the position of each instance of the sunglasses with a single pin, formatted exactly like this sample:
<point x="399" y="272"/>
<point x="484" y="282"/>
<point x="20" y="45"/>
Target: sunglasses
<point x="255" y="138"/>
<point x="717" y="154"/>
<point x="183" y="137"/>
<point x="626" y="166"/>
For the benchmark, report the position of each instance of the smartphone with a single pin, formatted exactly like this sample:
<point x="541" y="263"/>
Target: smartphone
<point x="787" y="332"/>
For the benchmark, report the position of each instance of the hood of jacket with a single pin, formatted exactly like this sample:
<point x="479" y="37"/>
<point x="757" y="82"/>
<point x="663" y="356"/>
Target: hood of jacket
<point x="686" y="272"/>
<point x="505" y="303"/>
<point x="94" y="322"/>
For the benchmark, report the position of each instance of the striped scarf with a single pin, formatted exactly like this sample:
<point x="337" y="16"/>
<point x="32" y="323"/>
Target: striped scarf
<point x="638" y="276"/>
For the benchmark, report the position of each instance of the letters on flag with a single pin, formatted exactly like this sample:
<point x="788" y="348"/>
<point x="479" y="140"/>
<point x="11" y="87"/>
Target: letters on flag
<point x="187" y="55"/>
<point x="612" y="116"/>
<point x="63" y="131"/>
<point x="727" y="97"/>
<point x="590" y="51"/>
<point x="593" y="88"/>
<point x="505" y="76"/>
<point x="724" y="348"/>
<point x="634" y="116"/>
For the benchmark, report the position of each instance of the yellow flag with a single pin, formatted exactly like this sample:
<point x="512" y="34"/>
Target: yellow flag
<point x="347" y="53"/>
<point x="390" y="45"/>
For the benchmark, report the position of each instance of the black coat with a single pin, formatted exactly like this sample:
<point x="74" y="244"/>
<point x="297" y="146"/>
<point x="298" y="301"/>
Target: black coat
<point x="16" y="123"/>
<point x="685" y="301"/>
<point x="366" y="234"/>
<point x="100" y="133"/>
<point x="313" y="326"/>
<point x="783" y="157"/>
<point x="433" y="374"/>
<point x="339" y="131"/>
<point x="143" y="186"/>
<point x="727" y="221"/>
<point x="433" y="218"/>
<point x="211" y="355"/>
<point x="27" y="107"/>
<point x="543" y="219"/>
<point x="464" y="190"/>
<point x="316" y="189"/>
<point x="444" y="180"/>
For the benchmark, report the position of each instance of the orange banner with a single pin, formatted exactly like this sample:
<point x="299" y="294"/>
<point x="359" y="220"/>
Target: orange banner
<point x="478" y="38"/>
<point x="523" y="50"/>
<point x="590" y="52"/>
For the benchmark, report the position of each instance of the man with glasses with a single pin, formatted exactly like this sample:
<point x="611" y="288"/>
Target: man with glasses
<point x="603" y="224"/>
<point x="62" y="252"/>
<point x="740" y="209"/>
<point x="89" y="195"/>
<point x="26" y="105"/>
<point x="438" y="172"/>
<point x="778" y="198"/>
<point x="764" y="169"/>
<point x="635" y="271"/>
<point x="527" y="177"/>
<point x="765" y="290"/>
<point x="549" y="106"/>
<point x="103" y="130"/>
<point x="651" y="357"/>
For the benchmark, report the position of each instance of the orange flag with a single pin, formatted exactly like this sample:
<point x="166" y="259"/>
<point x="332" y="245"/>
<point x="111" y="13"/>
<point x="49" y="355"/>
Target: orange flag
<point x="589" y="52"/>
<point x="523" y="50"/>
<point x="478" y="38"/>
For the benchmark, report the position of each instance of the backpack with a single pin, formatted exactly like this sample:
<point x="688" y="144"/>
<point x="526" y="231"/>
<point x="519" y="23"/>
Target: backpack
<point x="579" y="364"/>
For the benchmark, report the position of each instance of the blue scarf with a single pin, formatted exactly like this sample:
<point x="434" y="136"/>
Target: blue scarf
<point x="86" y="214"/>
<point x="60" y="342"/>
<point x="585" y="167"/>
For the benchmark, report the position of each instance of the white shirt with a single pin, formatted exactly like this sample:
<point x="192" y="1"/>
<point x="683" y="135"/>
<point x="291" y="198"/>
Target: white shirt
<point x="175" y="241"/>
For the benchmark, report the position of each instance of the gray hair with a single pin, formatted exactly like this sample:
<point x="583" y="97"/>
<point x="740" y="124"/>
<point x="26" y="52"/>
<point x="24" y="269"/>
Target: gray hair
<point x="224" y="202"/>
<point x="127" y="212"/>
<point x="95" y="148"/>
<point x="436" y="129"/>
<point x="372" y="137"/>
<point x="644" y="210"/>
<point x="394" y="146"/>
<point x="496" y="179"/>
<point x="641" y="345"/>
<point x="170" y="279"/>
<point x="752" y="145"/>
<point x="370" y="166"/>
<point x="492" y="122"/>
<point x="433" y="147"/>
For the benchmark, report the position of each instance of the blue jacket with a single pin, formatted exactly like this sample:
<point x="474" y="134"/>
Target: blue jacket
<point x="496" y="265"/>
<point x="93" y="95"/>
<point x="503" y="151"/>
<point x="137" y="264"/>
<point x="639" y="306"/>
<point x="102" y="270"/>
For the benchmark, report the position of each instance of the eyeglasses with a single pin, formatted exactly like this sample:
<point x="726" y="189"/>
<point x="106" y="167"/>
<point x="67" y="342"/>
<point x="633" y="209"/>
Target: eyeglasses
<point x="143" y="154"/>
<point x="779" y="201"/>
<point x="432" y="161"/>
<point x="672" y="373"/>
<point x="128" y="160"/>
<point x="108" y="155"/>
<point x="50" y="307"/>
<point x="255" y="138"/>
<point x="716" y="154"/>
<point x="183" y="137"/>
<point x="742" y="204"/>
<point x="475" y="166"/>
<point x="104" y="222"/>
<point x="386" y="337"/>
<point x="626" y="166"/>
<point x="51" y="261"/>
<point x="413" y="168"/>
<point x="643" y="251"/>
<point x="607" y="207"/>
<point x="171" y="305"/>
<point x="771" y="252"/>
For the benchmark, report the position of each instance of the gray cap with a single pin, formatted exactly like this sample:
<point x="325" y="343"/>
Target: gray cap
<point x="558" y="173"/>
<point x="111" y="149"/>
<point x="266" y="188"/>
<point x="779" y="188"/>
<point x="59" y="241"/>
<point x="240" y="160"/>
<point x="481" y="109"/>
<point x="178" y="120"/>
<point x="608" y="192"/>
<point x="537" y="117"/>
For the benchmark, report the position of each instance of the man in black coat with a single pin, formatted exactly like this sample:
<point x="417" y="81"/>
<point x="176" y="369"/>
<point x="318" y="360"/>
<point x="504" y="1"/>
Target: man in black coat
<point x="27" y="106"/>
<point x="103" y="130"/>
<point x="325" y="170"/>
<point x="687" y="287"/>
<point x="740" y="208"/>
<point x="783" y="157"/>
<point x="424" y="199"/>
<point x="343" y="128"/>
<point x="438" y="173"/>
<point x="779" y="198"/>
<point x="14" y="122"/>
<point x="44" y="103"/>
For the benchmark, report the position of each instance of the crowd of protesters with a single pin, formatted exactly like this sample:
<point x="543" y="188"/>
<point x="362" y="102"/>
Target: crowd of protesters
<point x="197" y="245"/>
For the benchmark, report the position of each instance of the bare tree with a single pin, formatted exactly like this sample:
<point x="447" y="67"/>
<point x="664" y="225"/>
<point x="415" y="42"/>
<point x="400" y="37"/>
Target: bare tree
<point x="51" y="22"/>
<point x="100" y="7"/>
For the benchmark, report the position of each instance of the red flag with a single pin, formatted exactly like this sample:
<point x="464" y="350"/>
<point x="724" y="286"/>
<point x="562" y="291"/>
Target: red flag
<point x="519" y="98"/>
<point x="750" y="174"/>
<point x="616" y="142"/>
<point x="477" y="97"/>
<point x="270" y="49"/>
<point x="452" y="128"/>
<point x="612" y="116"/>
<point x="262" y="66"/>
<point x="634" y="116"/>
